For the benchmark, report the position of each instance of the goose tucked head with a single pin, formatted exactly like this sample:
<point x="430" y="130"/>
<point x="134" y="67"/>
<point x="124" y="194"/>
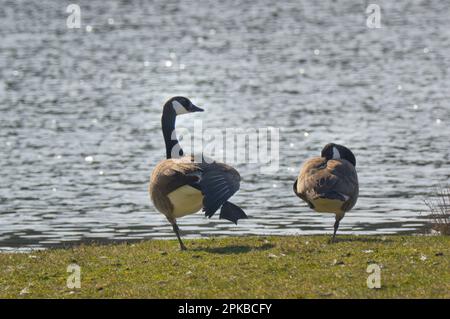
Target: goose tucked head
<point x="336" y="151"/>
<point x="181" y="105"/>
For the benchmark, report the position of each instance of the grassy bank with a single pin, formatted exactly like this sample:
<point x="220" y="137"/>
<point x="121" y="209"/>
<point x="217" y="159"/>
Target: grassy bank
<point x="255" y="267"/>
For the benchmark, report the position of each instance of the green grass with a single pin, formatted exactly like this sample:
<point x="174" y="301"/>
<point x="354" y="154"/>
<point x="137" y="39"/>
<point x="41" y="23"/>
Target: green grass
<point x="236" y="267"/>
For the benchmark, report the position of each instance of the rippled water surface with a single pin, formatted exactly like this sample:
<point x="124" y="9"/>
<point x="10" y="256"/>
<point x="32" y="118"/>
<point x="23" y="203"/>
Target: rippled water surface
<point x="80" y="110"/>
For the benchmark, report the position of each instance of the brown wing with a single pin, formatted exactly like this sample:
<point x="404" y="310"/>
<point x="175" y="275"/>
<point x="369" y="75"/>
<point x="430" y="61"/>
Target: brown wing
<point x="218" y="183"/>
<point x="329" y="179"/>
<point x="169" y="175"/>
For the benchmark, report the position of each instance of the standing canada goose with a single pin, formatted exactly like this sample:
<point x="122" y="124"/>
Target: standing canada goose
<point x="180" y="186"/>
<point x="329" y="184"/>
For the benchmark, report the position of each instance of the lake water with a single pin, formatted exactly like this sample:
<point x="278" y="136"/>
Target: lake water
<point x="80" y="110"/>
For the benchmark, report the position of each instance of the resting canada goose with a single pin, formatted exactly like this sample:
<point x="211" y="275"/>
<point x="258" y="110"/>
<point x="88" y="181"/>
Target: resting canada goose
<point x="181" y="186"/>
<point x="329" y="184"/>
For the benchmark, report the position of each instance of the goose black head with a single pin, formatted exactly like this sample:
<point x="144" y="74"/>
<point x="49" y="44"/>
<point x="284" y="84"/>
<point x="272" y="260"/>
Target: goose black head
<point x="336" y="151"/>
<point x="182" y="105"/>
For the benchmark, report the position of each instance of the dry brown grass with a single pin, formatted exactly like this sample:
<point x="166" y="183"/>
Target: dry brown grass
<point x="439" y="207"/>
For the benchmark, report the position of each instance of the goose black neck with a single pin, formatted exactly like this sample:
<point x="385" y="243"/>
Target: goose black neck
<point x="168" y="128"/>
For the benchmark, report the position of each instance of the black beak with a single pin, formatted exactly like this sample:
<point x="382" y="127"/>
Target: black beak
<point x="196" y="108"/>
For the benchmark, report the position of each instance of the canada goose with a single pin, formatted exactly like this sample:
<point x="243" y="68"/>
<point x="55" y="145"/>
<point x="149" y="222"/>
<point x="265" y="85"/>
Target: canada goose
<point x="329" y="184"/>
<point x="180" y="186"/>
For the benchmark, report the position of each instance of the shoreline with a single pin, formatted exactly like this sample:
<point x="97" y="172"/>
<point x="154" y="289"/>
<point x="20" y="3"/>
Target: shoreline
<point x="16" y="248"/>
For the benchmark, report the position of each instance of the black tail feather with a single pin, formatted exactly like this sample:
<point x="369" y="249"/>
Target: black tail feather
<point x="232" y="212"/>
<point x="294" y="187"/>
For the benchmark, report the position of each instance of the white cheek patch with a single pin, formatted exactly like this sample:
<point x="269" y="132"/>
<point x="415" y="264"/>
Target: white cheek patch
<point x="179" y="108"/>
<point x="336" y="154"/>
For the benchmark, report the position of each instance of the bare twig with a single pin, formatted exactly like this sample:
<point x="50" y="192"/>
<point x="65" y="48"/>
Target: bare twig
<point x="439" y="207"/>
